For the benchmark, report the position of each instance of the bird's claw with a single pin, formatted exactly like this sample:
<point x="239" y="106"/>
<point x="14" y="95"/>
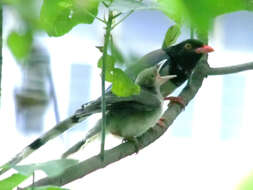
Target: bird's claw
<point x="161" y="122"/>
<point x="178" y="100"/>
<point x="135" y="141"/>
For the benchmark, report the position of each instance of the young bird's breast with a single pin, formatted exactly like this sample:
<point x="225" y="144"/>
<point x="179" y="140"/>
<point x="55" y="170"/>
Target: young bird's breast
<point x="132" y="121"/>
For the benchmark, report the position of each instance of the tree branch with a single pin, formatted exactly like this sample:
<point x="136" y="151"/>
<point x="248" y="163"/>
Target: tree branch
<point x="230" y="69"/>
<point x="123" y="150"/>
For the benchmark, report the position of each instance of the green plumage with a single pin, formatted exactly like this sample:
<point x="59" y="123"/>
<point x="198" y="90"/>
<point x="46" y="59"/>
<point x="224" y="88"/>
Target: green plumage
<point x="132" y="118"/>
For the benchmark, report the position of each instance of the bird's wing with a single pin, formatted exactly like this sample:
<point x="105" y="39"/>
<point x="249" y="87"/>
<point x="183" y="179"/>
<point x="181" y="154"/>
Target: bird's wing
<point x="148" y="60"/>
<point x="145" y="101"/>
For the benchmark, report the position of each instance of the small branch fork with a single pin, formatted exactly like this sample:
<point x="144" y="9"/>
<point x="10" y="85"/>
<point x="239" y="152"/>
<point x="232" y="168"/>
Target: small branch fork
<point x="123" y="150"/>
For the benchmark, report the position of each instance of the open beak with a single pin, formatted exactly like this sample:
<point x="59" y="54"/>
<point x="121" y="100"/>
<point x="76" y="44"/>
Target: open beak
<point x="163" y="79"/>
<point x="204" y="49"/>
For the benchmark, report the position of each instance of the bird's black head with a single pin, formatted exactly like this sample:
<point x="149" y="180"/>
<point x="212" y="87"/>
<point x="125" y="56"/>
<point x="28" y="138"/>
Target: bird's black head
<point x="184" y="57"/>
<point x="188" y="53"/>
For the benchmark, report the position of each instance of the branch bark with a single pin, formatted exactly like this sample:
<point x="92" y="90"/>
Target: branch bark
<point x="230" y="69"/>
<point x="123" y="150"/>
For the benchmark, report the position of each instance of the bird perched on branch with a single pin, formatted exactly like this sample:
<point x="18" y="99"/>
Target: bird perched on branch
<point x="132" y="116"/>
<point x="180" y="60"/>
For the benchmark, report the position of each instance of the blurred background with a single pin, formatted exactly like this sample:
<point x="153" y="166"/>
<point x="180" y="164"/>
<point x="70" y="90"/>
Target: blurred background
<point x="207" y="147"/>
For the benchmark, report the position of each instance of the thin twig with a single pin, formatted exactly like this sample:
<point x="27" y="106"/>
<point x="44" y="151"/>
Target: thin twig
<point x="191" y="32"/>
<point x="103" y="103"/>
<point x="1" y="44"/>
<point x="106" y="5"/>
<point x="94" y="16"/>
<point x="54" y="97"/>
<point x="127" y="15"/>
<point x="230" y="69"/>
<point x="115" y="16"/>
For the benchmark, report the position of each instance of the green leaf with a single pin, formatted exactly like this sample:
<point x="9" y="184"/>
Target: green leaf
<point x="199" y="14"/>
<point x="110" y="62"/>
<point x="20" y="44"/>
<point x="46" y="188"/>
<point x="100" y="48"/>
<point x="116" y="53"/>
<point x="12" y="181"/>
<point x="84" y="11"/>
<point x="246" y="183"/>
<point x="202" y="13"/>
<point x="171" y="36"/>
<point x="175" y="10"/>
<point x="51" y="168"/>
<point x="27" y="11"/>
<point x="122" y="85"/>
<point x="59" y="16"/>
<point x="128" y="5"/>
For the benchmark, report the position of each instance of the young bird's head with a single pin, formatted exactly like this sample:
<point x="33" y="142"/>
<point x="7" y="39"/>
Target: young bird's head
<point x="151" y="78"/>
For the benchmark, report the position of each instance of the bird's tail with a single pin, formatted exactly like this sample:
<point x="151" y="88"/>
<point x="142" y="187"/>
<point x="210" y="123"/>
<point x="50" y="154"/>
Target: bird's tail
<point x="39" y="142"/>
<point x="91" y="134"/>
<point x="79" y="116"/>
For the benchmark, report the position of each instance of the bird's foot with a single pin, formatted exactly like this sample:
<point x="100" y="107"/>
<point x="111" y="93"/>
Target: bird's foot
<point x="178" y="100"/>
<point x="161" y="122"/>
<point x="135" y="141"/>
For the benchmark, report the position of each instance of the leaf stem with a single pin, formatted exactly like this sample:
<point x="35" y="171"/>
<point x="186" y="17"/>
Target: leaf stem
<point x="106" y="5"/>
<point x="115" y="16"/>
<point x="1" y="44"/>
<point x="94" y="16"/>
<point x="191" y="32"/>
<point x="103" y="103"/>
<point x="127" y="15"/>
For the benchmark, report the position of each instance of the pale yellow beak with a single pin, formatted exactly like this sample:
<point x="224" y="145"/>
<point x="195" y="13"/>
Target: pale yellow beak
<point x="163" y="79"/>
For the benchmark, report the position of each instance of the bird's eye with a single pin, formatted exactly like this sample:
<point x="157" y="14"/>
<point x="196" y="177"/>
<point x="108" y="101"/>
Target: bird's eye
<point x="188" y="46"/>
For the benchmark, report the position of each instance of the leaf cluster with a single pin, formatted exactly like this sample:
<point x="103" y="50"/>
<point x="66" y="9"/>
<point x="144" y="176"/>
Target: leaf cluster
<point x="58" y="17"/>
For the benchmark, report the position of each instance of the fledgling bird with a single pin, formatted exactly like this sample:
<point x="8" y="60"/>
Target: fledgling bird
<point x="143" y="110"/>
<point x="134" y="115"/>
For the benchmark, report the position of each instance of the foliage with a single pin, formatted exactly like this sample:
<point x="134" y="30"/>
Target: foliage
<point x="46" y="188"/>
<point x="120" y="81"/>
<point x="12" y="181"/>
<point x="171" y="36"/>
<point x="246" y="183"/>
<point x="19" y="44"/>
<point x="58" y="17"/>
<point x="51" y="168"/>
<point x="199" y="14"/>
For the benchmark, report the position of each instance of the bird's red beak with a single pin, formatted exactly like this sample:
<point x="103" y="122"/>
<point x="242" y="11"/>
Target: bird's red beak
<point x="204" y="49"/>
